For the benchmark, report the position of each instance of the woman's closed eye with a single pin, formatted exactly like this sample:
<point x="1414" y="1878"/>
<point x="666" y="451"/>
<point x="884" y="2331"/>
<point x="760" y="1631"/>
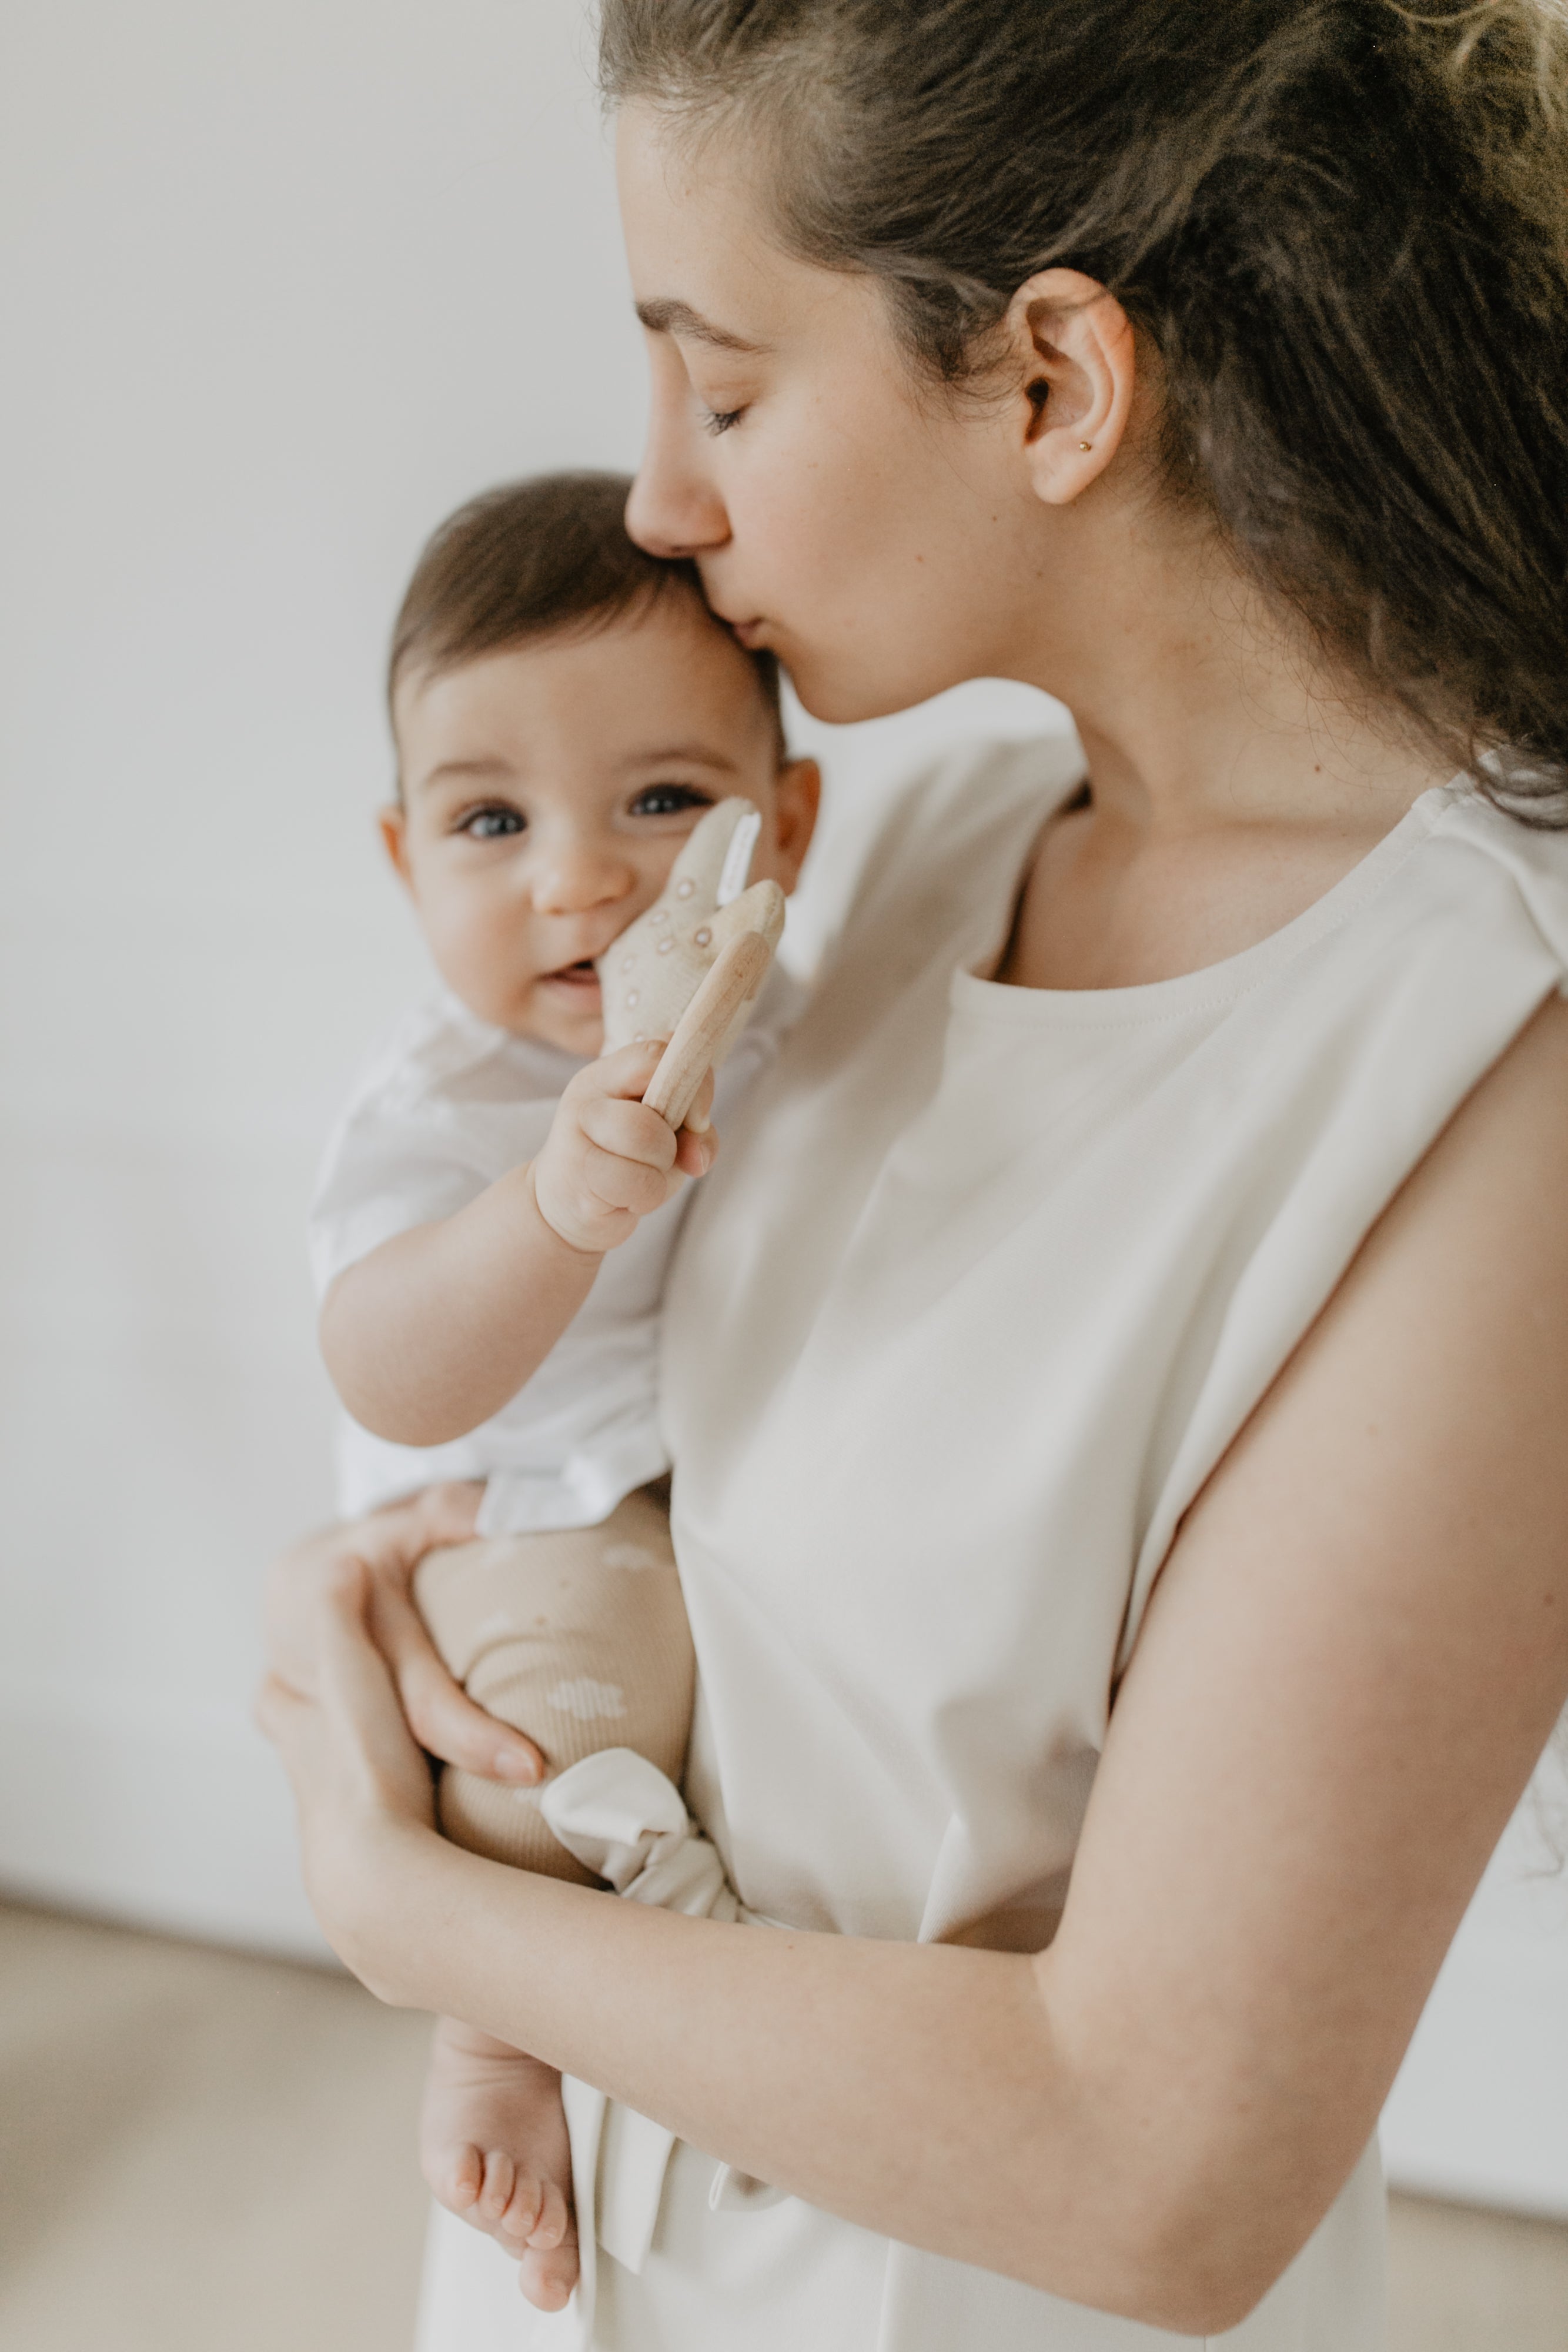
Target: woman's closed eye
<point x="719" y="420"/>
<point x="669" y="799"/>
<point x="492" y="820"/>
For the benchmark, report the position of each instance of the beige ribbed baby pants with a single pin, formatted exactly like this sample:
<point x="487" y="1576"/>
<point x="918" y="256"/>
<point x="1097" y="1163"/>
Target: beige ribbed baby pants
<point x="577" y="1637"/>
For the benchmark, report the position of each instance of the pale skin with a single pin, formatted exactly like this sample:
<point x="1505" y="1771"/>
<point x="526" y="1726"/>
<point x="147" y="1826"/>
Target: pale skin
<point x="1359" y="1642"/>
<point x="547" y="789"/>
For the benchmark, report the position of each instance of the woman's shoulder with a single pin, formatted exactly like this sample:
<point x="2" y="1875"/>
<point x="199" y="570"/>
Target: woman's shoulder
<point x="1486" y="855"/>
<point x="909" y="864"/>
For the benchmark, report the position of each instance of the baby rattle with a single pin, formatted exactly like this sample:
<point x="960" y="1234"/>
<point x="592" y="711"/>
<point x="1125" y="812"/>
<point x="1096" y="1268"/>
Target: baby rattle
<point x="690" y="967"/>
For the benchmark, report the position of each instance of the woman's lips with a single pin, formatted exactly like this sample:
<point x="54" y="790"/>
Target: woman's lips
<point x="750" y="632"/>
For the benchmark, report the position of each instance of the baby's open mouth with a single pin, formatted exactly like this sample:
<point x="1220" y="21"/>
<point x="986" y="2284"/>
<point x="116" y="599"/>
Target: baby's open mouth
<point x="574" y="975"/>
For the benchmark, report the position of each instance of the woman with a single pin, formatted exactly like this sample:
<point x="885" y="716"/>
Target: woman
<point x="1117" y="1420"/>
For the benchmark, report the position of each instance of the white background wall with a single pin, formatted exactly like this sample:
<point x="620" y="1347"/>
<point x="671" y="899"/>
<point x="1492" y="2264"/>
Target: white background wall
<point x="282" y="286"/>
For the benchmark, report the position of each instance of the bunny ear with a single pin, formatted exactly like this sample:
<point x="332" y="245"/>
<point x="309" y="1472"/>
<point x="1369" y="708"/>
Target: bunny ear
<point x="650" y="973"/>
<point x="702" y="867"/>
<point x="737" y="857"/>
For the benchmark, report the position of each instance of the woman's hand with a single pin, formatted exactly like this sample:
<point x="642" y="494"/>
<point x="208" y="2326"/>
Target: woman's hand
<point x="361" y="1784"/>
<point x="346" y="1642"/>
<point x="383" y="1549"/>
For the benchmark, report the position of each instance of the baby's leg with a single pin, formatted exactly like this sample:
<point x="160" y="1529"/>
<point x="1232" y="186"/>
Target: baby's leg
<point x="579" y="1639"/>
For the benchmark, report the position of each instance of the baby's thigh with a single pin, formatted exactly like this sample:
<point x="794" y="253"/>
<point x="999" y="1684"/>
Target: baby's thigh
<point x="577" y="1637"/>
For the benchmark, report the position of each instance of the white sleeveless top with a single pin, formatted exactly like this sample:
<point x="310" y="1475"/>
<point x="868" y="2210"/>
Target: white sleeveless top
<point x="984" y="1285"/>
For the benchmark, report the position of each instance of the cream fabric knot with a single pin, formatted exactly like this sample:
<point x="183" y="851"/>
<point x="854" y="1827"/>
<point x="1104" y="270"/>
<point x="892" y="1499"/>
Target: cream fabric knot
<point x="626" y="1822"/>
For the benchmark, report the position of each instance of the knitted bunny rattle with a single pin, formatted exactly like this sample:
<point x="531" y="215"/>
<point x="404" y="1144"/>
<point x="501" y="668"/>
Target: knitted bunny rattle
<point x="690" y="967"/>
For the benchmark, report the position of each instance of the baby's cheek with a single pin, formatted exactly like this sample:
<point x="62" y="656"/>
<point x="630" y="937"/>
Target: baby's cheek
<point x="482" y="960"/>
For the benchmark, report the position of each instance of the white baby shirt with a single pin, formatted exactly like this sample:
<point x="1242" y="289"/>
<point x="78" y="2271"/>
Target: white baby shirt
<point x="445" y="1107"/>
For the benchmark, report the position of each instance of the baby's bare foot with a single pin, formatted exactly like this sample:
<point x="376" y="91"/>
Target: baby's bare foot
<point x="494" y="2146"/>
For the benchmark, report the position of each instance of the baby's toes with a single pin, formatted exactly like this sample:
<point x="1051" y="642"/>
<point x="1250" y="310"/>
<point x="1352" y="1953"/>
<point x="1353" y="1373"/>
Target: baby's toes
<point x="525" y="2207"/>
<point x="552" y="2222"/>
<point x="547" y="2275"/>
<point x="455" y="2176"/>
<point x="489" y="2207"/>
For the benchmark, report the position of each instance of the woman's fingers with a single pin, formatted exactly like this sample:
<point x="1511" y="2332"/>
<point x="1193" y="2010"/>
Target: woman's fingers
<point x="388" y="1544"/>
<point x="362" y="1786"/>
<point x="441" y="1715"/>
<point x="359" y="1698"/>
<point x="383" y="1551"/>
<point x="446" y="1514"/>
<point x="298" y="1722"/>
<point x="277" y="1711"/>
<point x="291" y="1623"/>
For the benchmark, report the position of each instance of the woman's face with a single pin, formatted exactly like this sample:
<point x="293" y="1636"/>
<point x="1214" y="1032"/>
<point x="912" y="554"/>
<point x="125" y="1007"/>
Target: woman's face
<point x="883" y="541"/>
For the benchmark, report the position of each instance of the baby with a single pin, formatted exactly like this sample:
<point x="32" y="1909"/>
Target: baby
<point x="498" y="1208"/>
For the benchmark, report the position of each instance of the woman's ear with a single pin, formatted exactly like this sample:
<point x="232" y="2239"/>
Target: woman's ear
<point x="392" y="825"/>
<point x="797" y="796"/>
<point x="1074" y="347"/>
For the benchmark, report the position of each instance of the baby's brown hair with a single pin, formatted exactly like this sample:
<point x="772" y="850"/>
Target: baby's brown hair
<point x="531" y="558"/>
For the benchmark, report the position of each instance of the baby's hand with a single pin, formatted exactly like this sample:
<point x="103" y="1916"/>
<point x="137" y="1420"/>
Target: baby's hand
<point x="609" y="1160"/>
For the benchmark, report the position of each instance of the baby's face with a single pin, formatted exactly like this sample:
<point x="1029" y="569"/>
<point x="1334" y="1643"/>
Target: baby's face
<point x="547" y="792"/>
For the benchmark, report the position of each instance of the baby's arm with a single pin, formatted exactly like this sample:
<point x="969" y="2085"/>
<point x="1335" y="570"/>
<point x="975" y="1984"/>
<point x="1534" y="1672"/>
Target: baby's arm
<point x="431" y="1333"/>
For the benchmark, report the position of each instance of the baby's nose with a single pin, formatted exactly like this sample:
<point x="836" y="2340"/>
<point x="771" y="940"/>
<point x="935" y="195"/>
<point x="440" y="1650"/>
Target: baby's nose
<point x="574" y="874"/>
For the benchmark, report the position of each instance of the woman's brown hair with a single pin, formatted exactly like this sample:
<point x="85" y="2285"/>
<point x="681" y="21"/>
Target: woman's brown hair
<point x="1342" y="225"/>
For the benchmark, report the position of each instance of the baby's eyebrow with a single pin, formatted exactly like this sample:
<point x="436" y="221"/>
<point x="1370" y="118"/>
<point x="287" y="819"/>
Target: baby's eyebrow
<point x="690" y="755"/>
<point x="666" y="316"/>
<point x="485" y="769"/>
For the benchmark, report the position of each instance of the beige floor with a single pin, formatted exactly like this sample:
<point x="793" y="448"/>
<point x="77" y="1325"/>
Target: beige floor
<point x="205" y="2153"/>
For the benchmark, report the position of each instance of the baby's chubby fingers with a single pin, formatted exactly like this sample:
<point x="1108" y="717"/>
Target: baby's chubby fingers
<point x="625" y="1072"/>
<point x="630" y="1130"/>
<point x="696" y="1144"/>
<point x="618" y="1082"/>
<point x="604" y="1104"/>
<point x="619" y="1186"/>
<point x="609" y="1161"/>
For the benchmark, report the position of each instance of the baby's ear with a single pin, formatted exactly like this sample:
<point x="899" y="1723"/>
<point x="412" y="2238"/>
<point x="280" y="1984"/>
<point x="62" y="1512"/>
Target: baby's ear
<point x="392" y="825"/>
<point x="797" y="796"/>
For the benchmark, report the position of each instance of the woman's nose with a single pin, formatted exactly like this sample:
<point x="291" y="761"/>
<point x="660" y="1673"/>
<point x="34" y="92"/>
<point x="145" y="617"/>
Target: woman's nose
<point x="675" y="509"/>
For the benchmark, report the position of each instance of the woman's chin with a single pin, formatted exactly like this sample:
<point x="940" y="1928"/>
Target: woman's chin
<point x="826" y="690"/>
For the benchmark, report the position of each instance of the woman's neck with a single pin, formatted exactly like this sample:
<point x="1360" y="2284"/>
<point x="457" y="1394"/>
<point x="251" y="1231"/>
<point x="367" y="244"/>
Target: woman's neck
<point x="1199" y="704"/>
<point x="1233" y="779"/>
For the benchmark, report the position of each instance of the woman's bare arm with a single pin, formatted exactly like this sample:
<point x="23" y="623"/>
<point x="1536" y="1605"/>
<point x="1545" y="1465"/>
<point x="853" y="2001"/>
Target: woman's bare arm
<point x="1353" y="1658"/>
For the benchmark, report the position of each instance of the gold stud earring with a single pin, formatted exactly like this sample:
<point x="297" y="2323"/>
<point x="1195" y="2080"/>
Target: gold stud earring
<point x="1086" y="444"/>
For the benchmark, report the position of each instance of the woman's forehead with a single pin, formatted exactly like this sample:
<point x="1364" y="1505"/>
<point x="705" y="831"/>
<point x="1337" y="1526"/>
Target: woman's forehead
<point x="704" y="265"/>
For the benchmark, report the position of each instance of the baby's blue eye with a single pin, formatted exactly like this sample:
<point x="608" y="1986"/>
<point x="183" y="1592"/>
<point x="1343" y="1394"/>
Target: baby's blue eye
<point x="490" y="824"/>
<point x="669" y="799"/>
